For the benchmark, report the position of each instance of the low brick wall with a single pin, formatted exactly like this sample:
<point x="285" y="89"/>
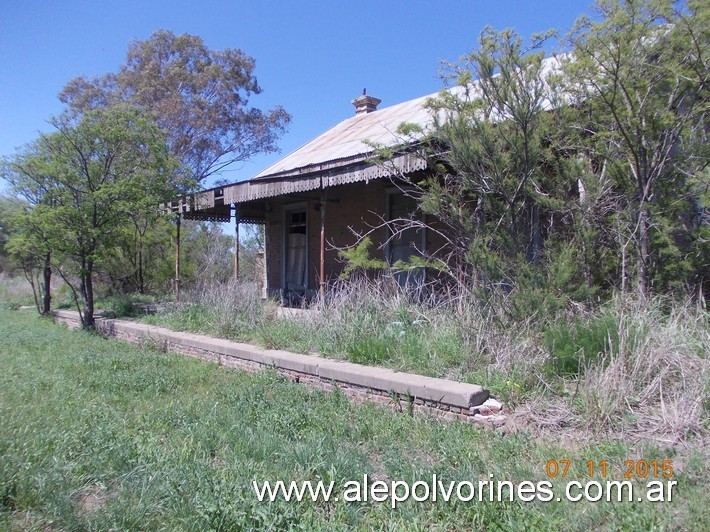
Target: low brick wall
<point x="405" y="392"/>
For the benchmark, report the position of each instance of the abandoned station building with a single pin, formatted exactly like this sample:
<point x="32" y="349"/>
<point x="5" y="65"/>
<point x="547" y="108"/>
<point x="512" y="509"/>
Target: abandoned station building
<point x="322" y="195"/>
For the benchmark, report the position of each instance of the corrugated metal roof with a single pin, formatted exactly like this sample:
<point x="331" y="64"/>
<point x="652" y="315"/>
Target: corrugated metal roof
<point x="341" y="154"/>
<point x="347" y="140"/>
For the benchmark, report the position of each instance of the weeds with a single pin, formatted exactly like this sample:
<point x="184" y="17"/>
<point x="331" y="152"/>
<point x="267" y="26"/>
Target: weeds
<point x="627" y="368"/>
<point x="656" y="378"/>
<point x="231" y="310"/>
<point x="97" y="434"/>
<point x="576" y="345"/>
<point x="124" y="306"/>
<point x="14" y="293"/>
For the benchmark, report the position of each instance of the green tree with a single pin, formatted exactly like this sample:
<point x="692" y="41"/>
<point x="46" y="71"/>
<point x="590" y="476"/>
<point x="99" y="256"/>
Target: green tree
<point x="29" y="176"/>
<point x="199" y="97"/>
<point x="501" y="180"/>
<point x="142" y="256"/>
<point x="638" y="75"/>
<point x="103" y="167"/>
<point x="9" y="209"/>
<point x="22" y="244"/>
<point x="29" y="248"/>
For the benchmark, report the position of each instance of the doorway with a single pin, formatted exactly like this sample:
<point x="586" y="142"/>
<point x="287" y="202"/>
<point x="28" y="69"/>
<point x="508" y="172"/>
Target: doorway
<point x="295" y="276"/>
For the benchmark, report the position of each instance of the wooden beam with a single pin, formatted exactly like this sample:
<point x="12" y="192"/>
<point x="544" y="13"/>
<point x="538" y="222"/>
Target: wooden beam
<point x="177" y="258"/>
<point x="322" y="243"/>
<point x="236" y="242"/>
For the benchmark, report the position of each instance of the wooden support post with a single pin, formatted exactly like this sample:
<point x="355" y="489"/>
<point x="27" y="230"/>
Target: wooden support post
<point x="236" y="242"/>
<point x="322" y="243"/>
<point x="177" y="256"/>
<point x="265" y="265"/>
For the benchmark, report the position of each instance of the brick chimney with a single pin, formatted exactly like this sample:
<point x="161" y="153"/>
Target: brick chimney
<point x="365" y="104"/>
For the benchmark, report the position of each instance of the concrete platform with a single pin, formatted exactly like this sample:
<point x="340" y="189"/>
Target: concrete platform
<point x="445" y="395"/>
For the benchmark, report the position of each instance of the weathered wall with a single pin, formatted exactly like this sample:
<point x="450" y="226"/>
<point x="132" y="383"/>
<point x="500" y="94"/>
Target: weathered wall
<point x="402" y="391"/>
<point x="356" y="205"/>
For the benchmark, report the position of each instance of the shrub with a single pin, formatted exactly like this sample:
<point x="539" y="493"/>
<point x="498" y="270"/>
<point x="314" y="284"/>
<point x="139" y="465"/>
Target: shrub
<point x="578" y="344"/>
<point x="122" y="306"/>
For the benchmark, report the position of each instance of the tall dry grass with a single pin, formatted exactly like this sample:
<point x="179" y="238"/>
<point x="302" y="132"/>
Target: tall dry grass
<point x="649" y="380"/>
<point x="656" y="381"/>
<point x="15" y="292"/>
<point x="230" y="310"/>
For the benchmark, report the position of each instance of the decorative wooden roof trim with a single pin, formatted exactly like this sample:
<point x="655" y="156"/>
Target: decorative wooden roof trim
<point x="214" y="205"/>
<point x="266" y="187"/>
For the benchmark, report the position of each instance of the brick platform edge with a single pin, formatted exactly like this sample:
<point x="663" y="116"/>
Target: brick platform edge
<point x="405" y="392"/>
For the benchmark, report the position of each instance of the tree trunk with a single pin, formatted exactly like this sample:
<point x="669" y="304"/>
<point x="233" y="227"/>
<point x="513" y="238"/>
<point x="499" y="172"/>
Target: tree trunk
<point x="535" y="246"/>
<point x="47" y="284"/>
<point x="30" y="276"/>
<point x="87" y="294"/>
<point x="643" y="256"/>
<point x="141" y="276"/>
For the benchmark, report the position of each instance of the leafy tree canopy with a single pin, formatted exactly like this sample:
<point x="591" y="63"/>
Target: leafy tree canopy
<point x="199" y="97"/>
<point x="88" y="180"/>
<point x="639" y="74"/>
<point x="9" y="209"/>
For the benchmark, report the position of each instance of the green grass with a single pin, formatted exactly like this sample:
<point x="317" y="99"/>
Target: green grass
<point x="123" y="306"/>
<point x="635" y="369"/>
<point x="97" y="434"/>
<point x="14" y="293"/>
<point x="366" y="336"/>
<point x="576" y="345"/>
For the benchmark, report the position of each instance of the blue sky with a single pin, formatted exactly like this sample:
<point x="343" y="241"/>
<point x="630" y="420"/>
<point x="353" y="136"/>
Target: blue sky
<point x="312" y="57"/>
